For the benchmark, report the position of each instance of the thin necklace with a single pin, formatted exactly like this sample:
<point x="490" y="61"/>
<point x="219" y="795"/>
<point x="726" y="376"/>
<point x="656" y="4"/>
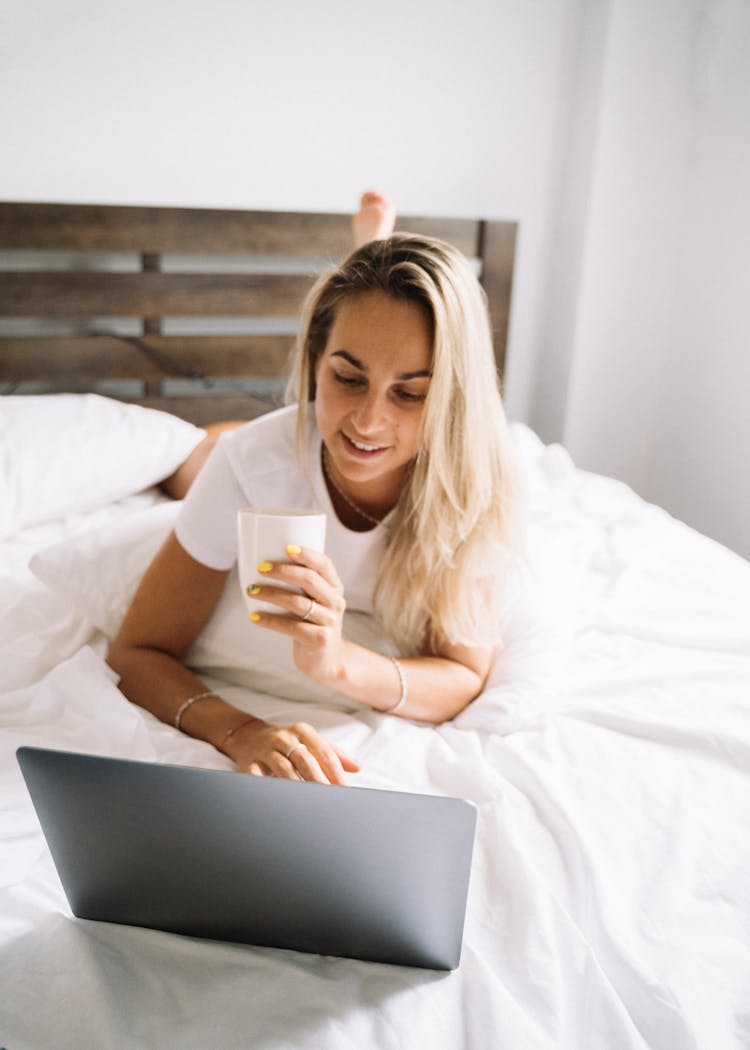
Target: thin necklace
<point x="354" y="506"/>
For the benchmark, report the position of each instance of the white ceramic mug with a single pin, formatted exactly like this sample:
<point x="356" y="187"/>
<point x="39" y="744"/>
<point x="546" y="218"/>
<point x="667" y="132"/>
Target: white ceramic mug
<point x="263" y="534"/>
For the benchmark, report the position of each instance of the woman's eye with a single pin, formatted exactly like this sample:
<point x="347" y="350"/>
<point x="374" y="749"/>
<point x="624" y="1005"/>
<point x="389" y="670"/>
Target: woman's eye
<point x="410" y="396"/>
<point x="346" y="380"/>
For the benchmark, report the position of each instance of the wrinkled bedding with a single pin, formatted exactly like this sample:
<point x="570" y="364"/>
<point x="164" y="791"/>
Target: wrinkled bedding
<point x="609" y="758"/>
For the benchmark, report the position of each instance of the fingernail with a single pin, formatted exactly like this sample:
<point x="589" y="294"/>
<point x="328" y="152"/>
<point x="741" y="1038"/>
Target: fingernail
<point x="255" y="589"/>
<point x="255" y="617"/>
<point x="292" y="548"/>
<point x="265" y="566"/>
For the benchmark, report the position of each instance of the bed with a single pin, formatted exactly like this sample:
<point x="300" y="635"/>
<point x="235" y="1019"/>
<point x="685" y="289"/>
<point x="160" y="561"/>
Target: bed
<point x="608" y="757"/>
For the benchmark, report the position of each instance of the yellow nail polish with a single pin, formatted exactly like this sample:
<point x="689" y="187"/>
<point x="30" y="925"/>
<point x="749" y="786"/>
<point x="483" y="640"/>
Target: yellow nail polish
<point x="292" y="548"/>
<point x="255" y="617"/>
<point x="265" y="566"/>
<point x="255" y="589"/>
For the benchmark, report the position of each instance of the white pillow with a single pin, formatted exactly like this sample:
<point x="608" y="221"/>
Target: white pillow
<point x="67" y="453"/>
<point x="98" y="571"/>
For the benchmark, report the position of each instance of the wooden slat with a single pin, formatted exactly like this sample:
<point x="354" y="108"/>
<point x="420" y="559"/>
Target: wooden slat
<point x="100" y="358"/>
<point x="75" y="294"/>
<point x="151" y="263"/>
<point x="209" y="408"/>
<point x="497" y="254"/>
<point x="112" y="228"/>
<point x="84" y="227"/>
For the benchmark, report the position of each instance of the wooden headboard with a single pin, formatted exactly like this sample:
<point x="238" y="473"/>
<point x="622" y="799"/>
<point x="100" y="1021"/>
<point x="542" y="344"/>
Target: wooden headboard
<point x="189" y="310"/>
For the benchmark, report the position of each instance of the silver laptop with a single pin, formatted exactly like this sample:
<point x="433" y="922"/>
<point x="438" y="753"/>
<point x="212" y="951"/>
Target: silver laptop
<point x="345" y="871"/>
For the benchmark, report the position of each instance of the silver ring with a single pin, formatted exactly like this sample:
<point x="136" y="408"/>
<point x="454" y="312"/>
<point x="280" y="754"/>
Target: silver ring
<point x="293" y="748"/>
<point x="308" y="614"/>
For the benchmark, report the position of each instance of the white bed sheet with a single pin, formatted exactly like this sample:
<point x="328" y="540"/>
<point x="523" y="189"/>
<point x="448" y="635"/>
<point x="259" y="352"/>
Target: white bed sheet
<point x="610" y="900"/>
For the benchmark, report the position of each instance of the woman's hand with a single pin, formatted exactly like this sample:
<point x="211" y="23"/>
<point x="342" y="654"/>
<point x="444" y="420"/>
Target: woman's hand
<point x="295" y="752"/>
<point x="313" y="619"/>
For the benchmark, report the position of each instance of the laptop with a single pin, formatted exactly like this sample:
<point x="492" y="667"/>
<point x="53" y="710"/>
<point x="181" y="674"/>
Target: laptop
<point x="344" y="871"/>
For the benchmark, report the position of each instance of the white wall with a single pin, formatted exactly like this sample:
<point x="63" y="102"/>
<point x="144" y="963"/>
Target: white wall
<point x="700" y="463"/>
<point x="239" y="103"/>
<point x="615" y="131"/>
<point x="632" y="230"/>
<point x="656" y="375"/>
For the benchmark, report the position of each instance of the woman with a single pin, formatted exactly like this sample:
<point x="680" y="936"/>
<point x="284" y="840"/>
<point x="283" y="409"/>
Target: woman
<point x="399" y="434"/>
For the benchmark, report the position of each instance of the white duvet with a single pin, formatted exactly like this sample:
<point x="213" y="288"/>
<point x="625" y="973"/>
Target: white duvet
<point x="609" y="758"/>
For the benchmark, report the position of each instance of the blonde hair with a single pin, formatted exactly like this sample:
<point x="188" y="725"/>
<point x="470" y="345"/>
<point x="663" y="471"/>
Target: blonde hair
<point x="454" y="530"/>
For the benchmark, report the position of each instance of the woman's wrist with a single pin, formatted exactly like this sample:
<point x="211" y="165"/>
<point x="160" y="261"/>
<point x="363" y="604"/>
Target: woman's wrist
<point x="235" y="736"/>
<point x="214" y="720"/>
<point x="335" y="672"/>
<point x="400" y="704"/>
<point x="372" y="678"/>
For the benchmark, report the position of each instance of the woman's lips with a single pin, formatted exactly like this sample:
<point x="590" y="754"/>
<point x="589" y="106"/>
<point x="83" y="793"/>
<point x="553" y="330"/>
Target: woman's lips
<point x="362" y="449"/>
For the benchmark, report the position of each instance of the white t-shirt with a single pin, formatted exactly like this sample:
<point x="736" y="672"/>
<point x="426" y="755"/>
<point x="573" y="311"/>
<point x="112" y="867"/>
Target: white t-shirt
<point x="256" y="465"/>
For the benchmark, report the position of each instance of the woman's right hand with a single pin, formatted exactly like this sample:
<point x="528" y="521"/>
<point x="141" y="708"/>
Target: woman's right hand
<point x="294" y="752"/>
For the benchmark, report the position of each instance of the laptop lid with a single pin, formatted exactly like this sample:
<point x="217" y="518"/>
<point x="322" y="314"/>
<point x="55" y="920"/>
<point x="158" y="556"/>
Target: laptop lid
<point x="344" y="871"/>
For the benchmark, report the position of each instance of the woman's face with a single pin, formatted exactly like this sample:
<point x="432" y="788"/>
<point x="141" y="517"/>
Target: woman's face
<point x="372" y="380"/>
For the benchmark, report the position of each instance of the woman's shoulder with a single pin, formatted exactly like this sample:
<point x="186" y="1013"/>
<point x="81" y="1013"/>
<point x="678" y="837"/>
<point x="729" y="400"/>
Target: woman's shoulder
<point x="263" y="456"/>
<point x="275" y="427"/>
<point x="267" y="442"/>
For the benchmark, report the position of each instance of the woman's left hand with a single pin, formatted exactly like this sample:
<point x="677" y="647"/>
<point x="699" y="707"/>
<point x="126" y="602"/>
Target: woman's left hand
<point x="312" y="619"/>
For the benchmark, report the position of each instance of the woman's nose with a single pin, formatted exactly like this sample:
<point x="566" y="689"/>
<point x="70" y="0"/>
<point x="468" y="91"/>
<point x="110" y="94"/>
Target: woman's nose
<point x="370" y="413"/>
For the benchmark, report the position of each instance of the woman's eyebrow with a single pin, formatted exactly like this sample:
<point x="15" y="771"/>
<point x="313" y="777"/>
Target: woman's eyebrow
<point x="350" y="358"/>
<point x="423" y="373"/>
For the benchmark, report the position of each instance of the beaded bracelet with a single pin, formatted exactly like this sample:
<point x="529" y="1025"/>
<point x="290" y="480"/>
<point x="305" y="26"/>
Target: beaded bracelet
<point x="188" y="703"/>
<point x="404" y="688"/>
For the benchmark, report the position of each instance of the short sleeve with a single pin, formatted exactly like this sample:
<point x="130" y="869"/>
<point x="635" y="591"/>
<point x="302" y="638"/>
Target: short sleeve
<point x="207" y="524"/>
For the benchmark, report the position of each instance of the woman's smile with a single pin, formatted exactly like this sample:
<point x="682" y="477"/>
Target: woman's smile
<point x="363" y="448"/>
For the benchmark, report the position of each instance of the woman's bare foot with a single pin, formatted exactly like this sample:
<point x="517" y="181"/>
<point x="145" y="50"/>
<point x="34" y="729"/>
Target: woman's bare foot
<point x="374" y="220"/>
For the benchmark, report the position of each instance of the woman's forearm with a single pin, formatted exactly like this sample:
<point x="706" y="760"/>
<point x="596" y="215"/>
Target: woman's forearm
<point x="161" y="684"/>
<point x="437" y="687"/>
<point x="175" y="599"/>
